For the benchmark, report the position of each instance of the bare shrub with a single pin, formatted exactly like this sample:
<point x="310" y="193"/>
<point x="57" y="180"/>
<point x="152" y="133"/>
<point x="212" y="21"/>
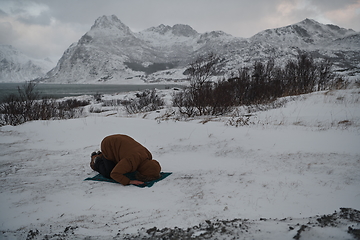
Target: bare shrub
<point x="95" y="109"/>
<point x="17" y="109"/>
<point x="339" y="83"/>
<point x="97" y="97"/>
<point x="184" y="102"/>
<point x="202" y="68"/>
<point x="113" y="102"/>
<point x="145" y="101"/>
<point x="357" y="83"/>
<point x="238" y="121"/>
<point x="261" y="84"/>
<point x="204" y="97"/>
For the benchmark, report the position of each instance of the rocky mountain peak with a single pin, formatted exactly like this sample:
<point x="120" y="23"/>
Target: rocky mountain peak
<point x="111" y="23"/>
<point x="308" y="21"/>
<point x="215" y="34"/>
<point x="179" y="30"/>
<point x="302" y="33"/>
<point x="106" y="30"/>
<point x="183" y="30"/>
<point x="8" y="50"/>
<point x="161" y="29"/>
<point x="315" y="28"/>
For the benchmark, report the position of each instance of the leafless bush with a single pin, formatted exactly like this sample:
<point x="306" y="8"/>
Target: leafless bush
<point x="339" y="83"/>
<point x="17" y="109"/>
<point x="113" y="102"/>
<point x="95" y="109"/>
<point x="204" y="97"/>
<point x="146" y="101"/>
<point x="263" y="83"/>
<point x="169" y="114"/>
<point x="357" y="83"/>
<point x="238" y="121"/>
<point x="97" y="97"/>
<point x="202" y="68"/>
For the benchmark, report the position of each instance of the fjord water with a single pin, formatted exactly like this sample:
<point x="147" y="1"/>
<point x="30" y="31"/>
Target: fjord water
<point x="68" y="90"/>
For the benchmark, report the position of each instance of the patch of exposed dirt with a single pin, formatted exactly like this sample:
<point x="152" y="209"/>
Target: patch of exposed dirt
<point x="347" y="220"/>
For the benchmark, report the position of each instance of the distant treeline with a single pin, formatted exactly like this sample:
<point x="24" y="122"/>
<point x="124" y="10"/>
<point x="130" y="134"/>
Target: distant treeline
<point x="262" y="83"/>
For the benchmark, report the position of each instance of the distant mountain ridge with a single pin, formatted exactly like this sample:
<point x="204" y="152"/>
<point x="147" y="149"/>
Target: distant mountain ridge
<point x="176" y="30"/>
<point x="111" y="52"/>
<point x="307" y="32"/>
<point x="16" y="66"/>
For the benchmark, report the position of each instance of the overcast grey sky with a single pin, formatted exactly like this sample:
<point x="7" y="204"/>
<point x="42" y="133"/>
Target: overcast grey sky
<point x="46" y="28"/>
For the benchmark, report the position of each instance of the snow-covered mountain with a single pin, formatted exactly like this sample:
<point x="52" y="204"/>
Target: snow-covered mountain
<point x="303" y="34"/>
<point x="17" y="67"/>
<point x="111" y="52"/>
<point x="340" y="45"/>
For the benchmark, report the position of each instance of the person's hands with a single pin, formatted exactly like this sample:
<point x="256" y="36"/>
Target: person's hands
<point x="136" y="182"/>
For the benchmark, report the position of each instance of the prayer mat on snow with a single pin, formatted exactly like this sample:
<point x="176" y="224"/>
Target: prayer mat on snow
<point x="131" y="176"/>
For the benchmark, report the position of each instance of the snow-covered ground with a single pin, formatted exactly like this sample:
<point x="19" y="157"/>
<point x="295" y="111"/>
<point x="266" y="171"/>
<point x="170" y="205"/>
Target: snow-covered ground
<point x="275" y="176"/>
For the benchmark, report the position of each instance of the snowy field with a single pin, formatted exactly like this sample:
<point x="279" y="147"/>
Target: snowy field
<point x="283" y="173"/>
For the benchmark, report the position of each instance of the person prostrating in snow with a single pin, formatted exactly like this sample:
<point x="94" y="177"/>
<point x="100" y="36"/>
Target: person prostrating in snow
<point x="121" y="154"/>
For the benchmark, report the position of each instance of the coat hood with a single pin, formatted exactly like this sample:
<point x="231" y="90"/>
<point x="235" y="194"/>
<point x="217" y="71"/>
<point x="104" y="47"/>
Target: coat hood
<point x="150" y="169"/>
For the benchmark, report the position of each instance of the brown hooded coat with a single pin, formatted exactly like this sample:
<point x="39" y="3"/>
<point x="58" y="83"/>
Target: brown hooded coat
<point x="129" y="156"/>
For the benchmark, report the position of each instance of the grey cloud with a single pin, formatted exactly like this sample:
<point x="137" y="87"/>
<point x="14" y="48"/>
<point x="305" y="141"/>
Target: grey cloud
<point x="329" y="5"/>
<point x="7" y="33"/>
<point x="2" y="13"/>
<point x="28" y="12"/>
<point x="43" y="19"/>
<point x="203" y="15"/>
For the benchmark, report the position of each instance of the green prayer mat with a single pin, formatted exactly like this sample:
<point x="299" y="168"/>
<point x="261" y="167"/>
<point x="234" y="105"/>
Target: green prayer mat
<point x="131" y="176"/>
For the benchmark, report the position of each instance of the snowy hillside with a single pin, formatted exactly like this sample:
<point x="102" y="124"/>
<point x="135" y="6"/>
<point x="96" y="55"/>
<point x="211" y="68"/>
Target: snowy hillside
<point x="281" y="174"/>
<point x="110" y="52"/>
<point x="17" y="67"/>
<point x="303" y="34"/>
